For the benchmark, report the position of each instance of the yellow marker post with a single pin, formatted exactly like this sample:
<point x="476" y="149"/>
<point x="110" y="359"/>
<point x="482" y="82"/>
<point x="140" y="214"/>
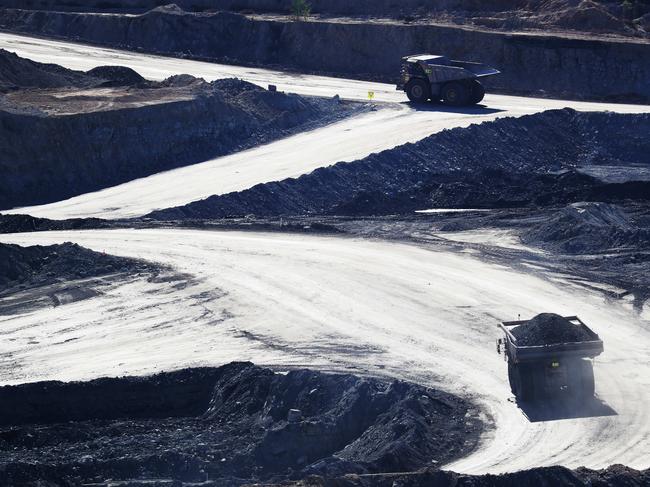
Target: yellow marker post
<point x="371" y="95"/>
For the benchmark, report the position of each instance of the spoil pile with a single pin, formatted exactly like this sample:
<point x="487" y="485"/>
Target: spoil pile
<point x="230" y="424"/>
<point x="588" y="227"/>
<point x="19" y="73"/>
<point x="510" y="162"/>
<point x="549" y="329"/>
<point x="614" y="476"/>
<point x="38" y="265"/>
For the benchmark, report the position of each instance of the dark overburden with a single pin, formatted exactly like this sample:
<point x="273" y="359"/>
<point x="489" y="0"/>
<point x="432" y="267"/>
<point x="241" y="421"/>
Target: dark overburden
<point x="532" y="161"/>
<point x="41" y="265"/>
<point x="64" y="133"/>
<point x="227" y="424"/>
<point x="614" y="476"/>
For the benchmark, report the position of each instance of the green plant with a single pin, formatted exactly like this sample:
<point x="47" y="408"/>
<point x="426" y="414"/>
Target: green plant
<point x="300" y="9"/>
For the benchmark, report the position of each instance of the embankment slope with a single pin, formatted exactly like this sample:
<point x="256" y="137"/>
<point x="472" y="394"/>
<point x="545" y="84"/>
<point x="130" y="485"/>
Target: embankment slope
<point x="511" y="162"/>
<point x="62" y="141"/>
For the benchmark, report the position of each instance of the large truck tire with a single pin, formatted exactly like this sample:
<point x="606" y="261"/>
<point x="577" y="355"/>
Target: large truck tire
<point x="512" y="370"/>
<point x="418" y="91"/>
<point x="526" y="383"/>
<point x="456" y="94"/>
<point x="588" y="388"/>
<point x="478" y="92"/>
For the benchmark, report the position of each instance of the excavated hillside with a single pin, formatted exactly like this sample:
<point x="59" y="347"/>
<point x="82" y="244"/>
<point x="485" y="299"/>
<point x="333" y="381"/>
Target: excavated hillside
<point x="66" y="133"/>
<point x="540" y="63"/>
<point x="606" y="16"/>
<point x="231" y="425"/>
<point x="530" y="161"/>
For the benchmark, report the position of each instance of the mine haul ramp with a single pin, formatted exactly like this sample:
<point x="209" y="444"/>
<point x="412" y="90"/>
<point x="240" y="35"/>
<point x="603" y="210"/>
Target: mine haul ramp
<point x="433" y="77"/>
<point x="550" y="371"/>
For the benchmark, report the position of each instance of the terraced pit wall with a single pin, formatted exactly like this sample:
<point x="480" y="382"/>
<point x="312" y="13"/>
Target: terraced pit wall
<point x="45" y="158"/>
<point x="338" y="7"/>
<point x="542" y="65"/>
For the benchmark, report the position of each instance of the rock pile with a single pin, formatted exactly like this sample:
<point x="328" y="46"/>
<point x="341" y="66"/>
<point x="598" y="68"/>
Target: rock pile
<point x="228" y="424"/>
<point x="37" y="265"/>
<point x="510" y="162"/>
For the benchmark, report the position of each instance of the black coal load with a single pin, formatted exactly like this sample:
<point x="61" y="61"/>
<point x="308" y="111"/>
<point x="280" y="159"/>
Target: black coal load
<point x="549" y="329"/>
<point x="232" y="425"/>
<point x="41" y="265"/>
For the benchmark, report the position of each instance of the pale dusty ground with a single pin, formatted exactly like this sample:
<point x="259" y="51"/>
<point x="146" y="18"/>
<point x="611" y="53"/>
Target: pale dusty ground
<point x="343" y="304"/>
<point x="345" y="141"/>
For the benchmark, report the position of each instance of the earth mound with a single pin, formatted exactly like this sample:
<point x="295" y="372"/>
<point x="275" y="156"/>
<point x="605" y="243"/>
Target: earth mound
<point x="38" y="265"/>
<point x="231" y="424"/>
<point x="587" y="227"/>
<point x="17" y="72"/>
<point x="117" y="76"/>
<point x="549" y="329"/>
<point x="614" y="476"/>
<point x="522" y="162"/>
<point x="21" y="73"/>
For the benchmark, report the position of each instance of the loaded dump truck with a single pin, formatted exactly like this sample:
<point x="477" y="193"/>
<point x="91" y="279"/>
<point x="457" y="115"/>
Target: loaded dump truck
<point x="432" y="77"/>
<point x="549" y="357"/>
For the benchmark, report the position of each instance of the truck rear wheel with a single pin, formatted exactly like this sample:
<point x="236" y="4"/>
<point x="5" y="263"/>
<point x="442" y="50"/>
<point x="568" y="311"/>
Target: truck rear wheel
<point x="526" y="383"/>
<point x="478" y="92"/>
<point x="456" y="94"/>
<point x="418" y="91"/>
<point x="512" y="379"/>
<point x="588" y="388"/>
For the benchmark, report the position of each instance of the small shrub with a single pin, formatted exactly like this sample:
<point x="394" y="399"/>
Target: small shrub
<point x="300" y="9"/>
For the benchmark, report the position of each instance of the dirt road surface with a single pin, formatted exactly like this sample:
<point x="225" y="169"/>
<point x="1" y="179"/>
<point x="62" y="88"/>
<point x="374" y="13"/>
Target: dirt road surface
<point x="427" y="315"/>
<point x="392" y="124"/>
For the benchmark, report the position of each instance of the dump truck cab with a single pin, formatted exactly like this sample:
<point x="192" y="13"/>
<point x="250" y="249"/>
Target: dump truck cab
<point x="434" y="77"/>
<point x="557" y="370"/>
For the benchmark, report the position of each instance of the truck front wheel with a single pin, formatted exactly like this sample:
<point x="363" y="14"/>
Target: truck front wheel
<point x="418" y="91"/>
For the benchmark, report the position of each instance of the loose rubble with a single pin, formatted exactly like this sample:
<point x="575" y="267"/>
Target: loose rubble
<point x="530" y="161"/>
<point x="24" y="267"/>
<point x="229" y="424"/>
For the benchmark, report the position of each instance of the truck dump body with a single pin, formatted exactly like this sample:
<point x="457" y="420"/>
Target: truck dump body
<point x="429" y="76"/>
<point x="583" y="349"/>
<point x="556" y="368"/>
